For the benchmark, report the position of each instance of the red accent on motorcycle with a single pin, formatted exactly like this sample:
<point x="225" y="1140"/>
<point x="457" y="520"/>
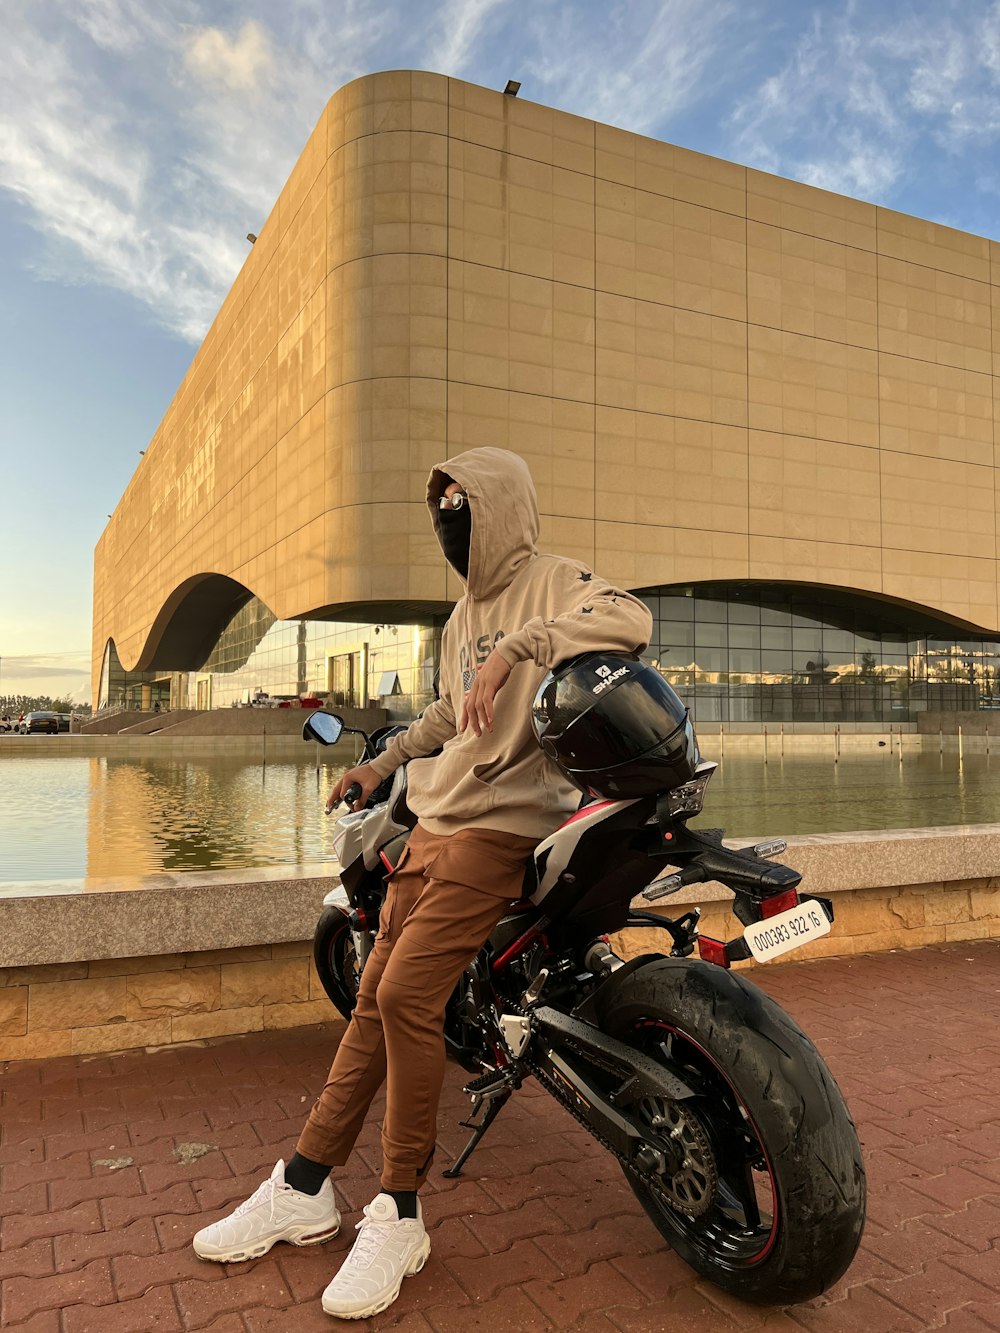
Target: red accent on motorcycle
<point x="387" y="863"/>
<point x="781" y="902"/>
<point x="519" y="944"/>
<point x="773" y="1235"/>
<point x="587" y="810"/>
<point x="362" y="917"/>
<point x="712" y="951"/>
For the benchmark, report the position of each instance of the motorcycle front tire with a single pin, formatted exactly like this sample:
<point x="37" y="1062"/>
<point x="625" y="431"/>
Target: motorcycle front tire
<point x="811" y="1147"/>
<point x="336" y="959"/>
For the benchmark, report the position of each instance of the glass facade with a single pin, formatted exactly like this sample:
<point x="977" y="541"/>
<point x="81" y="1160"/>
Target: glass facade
<point x="119" y="688"/>
<point x="759" y="652"/>
<point x="258" y="657"/>
<point x="752" y="652"/>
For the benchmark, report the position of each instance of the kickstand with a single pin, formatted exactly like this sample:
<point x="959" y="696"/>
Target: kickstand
<point x="493" y="1108"/>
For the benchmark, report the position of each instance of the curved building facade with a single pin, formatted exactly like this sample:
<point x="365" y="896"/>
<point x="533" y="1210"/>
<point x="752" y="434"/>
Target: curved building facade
<point x="767" y="407"/>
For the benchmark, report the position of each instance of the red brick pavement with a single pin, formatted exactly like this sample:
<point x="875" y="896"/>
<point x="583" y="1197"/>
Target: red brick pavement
<point x="542" y="1233"/>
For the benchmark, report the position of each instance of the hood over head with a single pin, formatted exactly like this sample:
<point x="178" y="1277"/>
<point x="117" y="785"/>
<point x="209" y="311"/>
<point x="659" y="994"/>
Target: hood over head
<point x="504" y="511"/>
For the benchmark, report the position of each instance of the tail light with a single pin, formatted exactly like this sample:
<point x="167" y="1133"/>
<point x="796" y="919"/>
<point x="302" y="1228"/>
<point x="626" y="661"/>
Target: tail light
<point x="781" y="902"/>
<point x="712" y="951"/>
<point x="687" y="800"/>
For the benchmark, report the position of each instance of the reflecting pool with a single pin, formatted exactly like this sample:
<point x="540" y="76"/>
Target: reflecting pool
<point x="107" y="817"/>
<point x="98" y="818"/>
<point x="809" y="793"/>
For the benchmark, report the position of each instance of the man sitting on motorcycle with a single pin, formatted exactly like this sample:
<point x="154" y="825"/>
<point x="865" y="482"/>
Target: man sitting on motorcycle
<point x="483" y="804"/>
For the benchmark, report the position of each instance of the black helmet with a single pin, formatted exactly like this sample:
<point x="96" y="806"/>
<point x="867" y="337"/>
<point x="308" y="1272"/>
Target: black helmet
<point x="614" y="727"/>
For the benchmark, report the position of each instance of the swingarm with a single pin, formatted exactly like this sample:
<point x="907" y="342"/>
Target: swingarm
<point x="559" y="1049"/>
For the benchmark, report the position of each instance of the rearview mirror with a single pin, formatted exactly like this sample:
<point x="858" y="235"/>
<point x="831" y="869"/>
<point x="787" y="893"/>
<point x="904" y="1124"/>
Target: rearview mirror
<point x="323" y="727"/>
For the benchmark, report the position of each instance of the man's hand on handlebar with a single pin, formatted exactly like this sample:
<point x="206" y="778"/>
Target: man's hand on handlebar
<point x="364" y="777"/>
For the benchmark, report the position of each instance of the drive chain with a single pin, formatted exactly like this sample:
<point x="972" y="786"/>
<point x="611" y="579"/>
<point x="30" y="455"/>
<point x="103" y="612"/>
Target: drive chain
<point x="564" y="1099"/>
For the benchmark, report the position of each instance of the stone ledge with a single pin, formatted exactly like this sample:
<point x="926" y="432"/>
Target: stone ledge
<point x="177" y="914"/>
<point x="201" y="956"/>
<point x="212" y="912"/>
<point x="890" y="858"/>
<point x="866" y="921"/>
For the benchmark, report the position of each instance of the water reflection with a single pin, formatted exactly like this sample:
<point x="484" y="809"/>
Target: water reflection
<point x="105" y="818"/>
<point x="809" y="793"/>
<point x="74" y="817"/>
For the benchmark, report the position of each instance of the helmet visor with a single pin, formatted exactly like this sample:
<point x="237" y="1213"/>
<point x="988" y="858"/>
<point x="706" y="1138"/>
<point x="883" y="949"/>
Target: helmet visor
<point x="628" y="721"/>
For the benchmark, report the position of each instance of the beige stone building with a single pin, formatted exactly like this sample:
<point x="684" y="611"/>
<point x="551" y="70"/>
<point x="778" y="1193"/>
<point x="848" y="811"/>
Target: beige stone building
<point x="767" y="407"/>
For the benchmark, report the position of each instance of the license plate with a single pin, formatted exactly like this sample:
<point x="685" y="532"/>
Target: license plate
<point x="786" y="931"/>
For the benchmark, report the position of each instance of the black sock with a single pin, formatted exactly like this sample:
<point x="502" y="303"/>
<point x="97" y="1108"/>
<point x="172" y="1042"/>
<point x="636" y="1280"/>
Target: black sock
<point x="405" y="1201"/>
<point x="305" y="1176"/>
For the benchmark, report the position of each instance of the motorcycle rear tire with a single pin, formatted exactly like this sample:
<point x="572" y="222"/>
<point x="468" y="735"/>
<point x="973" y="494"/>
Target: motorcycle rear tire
<point x="800" y="1116"/>
<point x="336" y="960"/>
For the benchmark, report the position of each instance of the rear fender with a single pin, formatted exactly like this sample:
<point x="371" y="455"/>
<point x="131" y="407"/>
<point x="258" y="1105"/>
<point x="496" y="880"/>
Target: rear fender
<point x="596" y="1003"/>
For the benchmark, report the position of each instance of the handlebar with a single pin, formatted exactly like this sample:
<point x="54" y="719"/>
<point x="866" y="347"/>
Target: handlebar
<point x="349" y="797"/>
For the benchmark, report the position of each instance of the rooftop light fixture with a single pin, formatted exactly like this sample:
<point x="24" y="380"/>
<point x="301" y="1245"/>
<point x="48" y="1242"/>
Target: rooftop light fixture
<point x="512" y="89"/>
<point x="251" y="238"/>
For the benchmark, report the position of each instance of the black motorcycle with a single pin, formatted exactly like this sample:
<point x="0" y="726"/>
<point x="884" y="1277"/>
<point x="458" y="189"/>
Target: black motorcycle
<point x="723" y="1116"/>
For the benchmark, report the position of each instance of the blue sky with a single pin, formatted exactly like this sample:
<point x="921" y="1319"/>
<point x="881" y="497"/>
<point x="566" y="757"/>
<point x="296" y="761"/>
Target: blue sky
<point x="140" y="142"/>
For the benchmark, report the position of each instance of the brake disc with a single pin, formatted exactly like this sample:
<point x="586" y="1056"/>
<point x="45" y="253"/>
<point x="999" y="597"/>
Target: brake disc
<point x="691" y="1187"/>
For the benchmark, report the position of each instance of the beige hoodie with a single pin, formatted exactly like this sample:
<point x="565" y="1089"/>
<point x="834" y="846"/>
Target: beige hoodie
<point x="536" y="610"/>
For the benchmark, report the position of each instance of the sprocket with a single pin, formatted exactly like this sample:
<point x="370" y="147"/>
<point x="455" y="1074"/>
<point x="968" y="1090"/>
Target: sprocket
<point x="691" y="1189"/>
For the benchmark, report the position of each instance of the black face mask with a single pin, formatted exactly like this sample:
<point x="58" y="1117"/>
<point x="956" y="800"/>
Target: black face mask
<point x="456" y="534"/>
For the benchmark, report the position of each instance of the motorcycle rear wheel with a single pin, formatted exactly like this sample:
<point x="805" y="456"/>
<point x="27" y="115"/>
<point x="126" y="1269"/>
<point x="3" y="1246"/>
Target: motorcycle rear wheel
<point x="336" y="959"/>
<point x="788" y="1209"/>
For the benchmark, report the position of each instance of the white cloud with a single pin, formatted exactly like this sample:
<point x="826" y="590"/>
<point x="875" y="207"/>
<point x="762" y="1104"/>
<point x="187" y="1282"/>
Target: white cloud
<point x="638" y="62"/>
<point x="59" y="675"/>
<point x="32" y="668"/>
<point x="144" y="141"/>
<point x="461" y="23"/>
<point x="109" y="24"/>
<point x="826" y="116"/>
<point x="147" y="180"/>
<point x="857" y="169"/>
<point x="852" y="103"/>
<point x="239" y="61"/>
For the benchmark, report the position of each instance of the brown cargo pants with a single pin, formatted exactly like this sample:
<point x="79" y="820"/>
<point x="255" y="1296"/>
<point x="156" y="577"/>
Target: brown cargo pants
<point x="445" y="897"/>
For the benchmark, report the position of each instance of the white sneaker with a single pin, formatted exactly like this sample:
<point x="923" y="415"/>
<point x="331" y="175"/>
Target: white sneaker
<point x="273" y="1212"/>
<point x="387" y="1250"/>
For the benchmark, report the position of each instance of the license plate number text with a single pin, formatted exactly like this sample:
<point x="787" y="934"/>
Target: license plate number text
<point x="786" y="931"/>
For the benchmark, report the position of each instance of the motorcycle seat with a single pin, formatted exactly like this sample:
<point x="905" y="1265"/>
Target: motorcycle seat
<point x="400" y="812"/>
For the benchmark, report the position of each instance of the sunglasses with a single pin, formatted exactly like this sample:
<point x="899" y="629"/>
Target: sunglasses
<point x="453" y="502"/>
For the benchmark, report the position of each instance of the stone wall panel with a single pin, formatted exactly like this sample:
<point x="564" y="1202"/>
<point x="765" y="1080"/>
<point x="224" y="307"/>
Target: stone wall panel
<point x="13" y="1011"/>
<point x="264" y="983"/>
<point x="53" y="1006"/>
<point x="187" y="990"/>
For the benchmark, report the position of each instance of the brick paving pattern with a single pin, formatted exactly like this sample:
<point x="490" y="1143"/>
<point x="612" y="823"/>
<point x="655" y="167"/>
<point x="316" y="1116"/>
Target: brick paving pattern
<point x="99" y="1202"/>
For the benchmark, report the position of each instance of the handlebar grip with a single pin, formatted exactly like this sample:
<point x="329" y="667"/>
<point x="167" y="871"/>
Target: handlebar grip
<point x="352" y="794"/>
